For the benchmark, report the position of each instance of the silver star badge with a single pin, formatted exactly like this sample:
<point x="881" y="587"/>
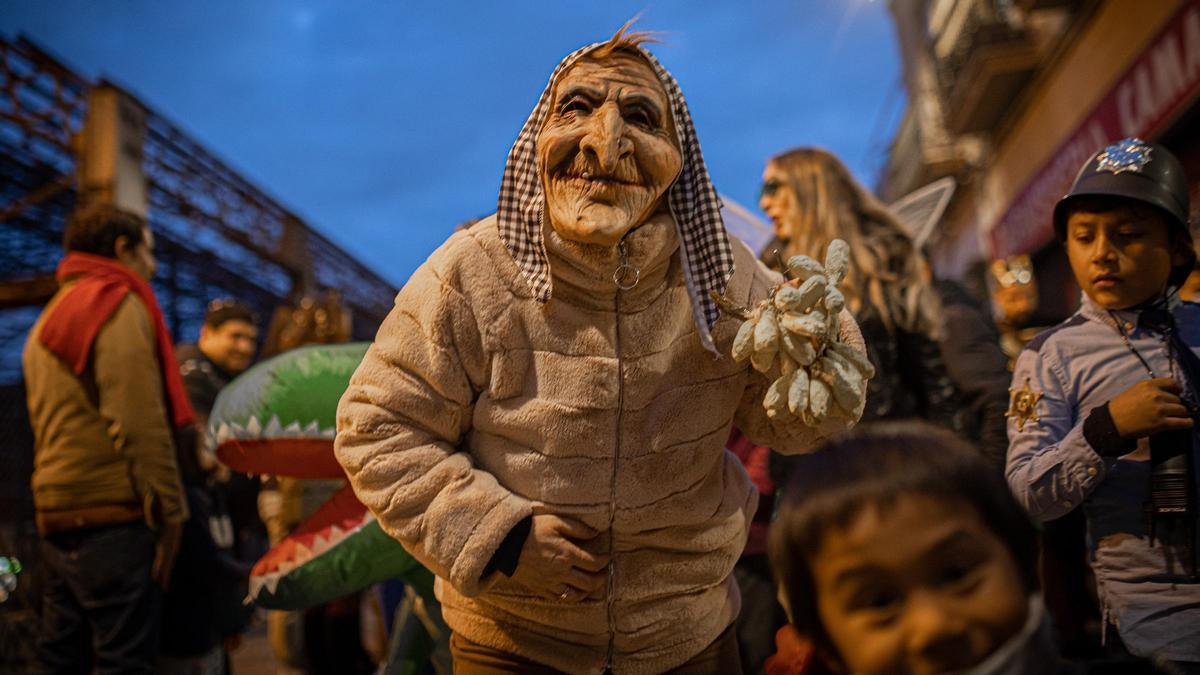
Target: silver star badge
<point x="1127" y="154"/>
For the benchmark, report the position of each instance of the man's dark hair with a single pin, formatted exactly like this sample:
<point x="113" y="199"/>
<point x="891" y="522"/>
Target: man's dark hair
<point x="95" y="230"/>
<point x="872" y="467"/>
<point x="220" y="311"/>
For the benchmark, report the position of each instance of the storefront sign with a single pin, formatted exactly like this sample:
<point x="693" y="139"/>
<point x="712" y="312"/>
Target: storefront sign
<point x="1163" y="82"/>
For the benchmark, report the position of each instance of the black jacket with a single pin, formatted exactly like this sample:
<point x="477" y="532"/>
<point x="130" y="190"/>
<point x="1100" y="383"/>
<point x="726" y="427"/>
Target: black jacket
<point x="204" y="602"/>
<point x="910" y="380"/>
<point x="979" y="369"/>
<point x="202" y="378"/>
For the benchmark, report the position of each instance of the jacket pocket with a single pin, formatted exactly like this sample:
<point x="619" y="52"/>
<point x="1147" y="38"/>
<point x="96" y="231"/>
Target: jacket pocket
<point x="509" y="369"/>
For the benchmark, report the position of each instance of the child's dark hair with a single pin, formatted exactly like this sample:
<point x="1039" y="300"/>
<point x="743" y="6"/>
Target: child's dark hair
<point x="1114" y="203"/>
<point x="873" y="466"/>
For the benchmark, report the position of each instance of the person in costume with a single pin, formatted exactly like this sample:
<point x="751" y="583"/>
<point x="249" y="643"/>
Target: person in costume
<point x="541" y="419"/>
<point x="1103" y="409"/>
<point x="105" y="397"/>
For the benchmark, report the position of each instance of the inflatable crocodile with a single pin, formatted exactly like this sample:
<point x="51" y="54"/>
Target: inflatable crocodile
<point x="278" y="418"/>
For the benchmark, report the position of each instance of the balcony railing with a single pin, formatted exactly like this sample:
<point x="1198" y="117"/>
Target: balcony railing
<point x="984" y="56"/>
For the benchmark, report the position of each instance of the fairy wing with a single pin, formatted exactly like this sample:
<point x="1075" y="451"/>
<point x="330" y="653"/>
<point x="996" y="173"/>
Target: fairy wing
<point x="920" y="210"/>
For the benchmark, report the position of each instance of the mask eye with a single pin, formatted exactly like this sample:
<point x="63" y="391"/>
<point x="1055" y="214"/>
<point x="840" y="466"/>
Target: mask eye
<point x="641" y="117"/>
<point x="575" y="104"/>
<point x="770" y="187"/>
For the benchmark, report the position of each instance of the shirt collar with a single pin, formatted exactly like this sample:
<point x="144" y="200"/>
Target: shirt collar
<point x="1124" y="319"/>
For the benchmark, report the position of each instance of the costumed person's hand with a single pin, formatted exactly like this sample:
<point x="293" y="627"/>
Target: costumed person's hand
<point x="164" y="554"/>
<point x="802" y="338"/>
<point x="1149" y="407"/>
<point x="553" y="564"/>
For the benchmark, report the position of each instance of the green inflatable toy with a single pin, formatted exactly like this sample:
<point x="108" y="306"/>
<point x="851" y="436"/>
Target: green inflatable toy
<point x="278" y="418"/>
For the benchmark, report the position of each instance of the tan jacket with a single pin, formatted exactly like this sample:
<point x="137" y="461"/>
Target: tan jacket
<point x="477" y="407"/>
<point x="102" y="439"/>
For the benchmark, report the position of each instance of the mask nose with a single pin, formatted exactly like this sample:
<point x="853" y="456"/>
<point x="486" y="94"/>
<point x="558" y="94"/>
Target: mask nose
<point x="605" y="139"/>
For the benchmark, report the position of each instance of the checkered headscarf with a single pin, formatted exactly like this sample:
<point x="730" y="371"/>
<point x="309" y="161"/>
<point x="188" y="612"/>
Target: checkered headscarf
<point x="704" y="246"/>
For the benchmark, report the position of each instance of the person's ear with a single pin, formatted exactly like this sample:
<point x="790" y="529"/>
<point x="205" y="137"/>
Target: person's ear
<point x="121" y="246"/>
<point x="1182" y="250"/>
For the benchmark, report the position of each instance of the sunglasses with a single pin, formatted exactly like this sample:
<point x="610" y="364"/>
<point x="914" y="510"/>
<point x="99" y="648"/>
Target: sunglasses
<point x="770" y="187"/>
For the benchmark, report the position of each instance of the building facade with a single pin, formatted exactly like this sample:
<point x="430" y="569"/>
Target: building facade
<point x="1010" y="97"/>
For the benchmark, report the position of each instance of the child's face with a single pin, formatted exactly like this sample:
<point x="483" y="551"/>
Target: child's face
<point x="1120" y="258"/>
<point x="921" y="586"/>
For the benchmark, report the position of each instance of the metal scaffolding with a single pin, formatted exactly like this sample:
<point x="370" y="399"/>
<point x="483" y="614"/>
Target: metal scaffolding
<point x="218" y="235"/>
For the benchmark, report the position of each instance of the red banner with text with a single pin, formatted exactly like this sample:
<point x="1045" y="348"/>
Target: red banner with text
<point x="1162" y="83"/>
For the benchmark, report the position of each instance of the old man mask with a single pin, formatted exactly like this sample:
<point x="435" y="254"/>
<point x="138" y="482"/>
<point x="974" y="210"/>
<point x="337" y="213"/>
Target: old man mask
<point x="607" y="152"/>
<point x="610" y="143"/>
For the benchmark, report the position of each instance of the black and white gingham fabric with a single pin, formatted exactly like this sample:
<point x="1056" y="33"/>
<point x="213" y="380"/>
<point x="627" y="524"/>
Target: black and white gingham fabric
<point x="704" y="245"/>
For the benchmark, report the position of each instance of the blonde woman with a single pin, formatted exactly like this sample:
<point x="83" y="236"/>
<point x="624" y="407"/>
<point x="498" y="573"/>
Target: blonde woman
<point x="812" y="198"/>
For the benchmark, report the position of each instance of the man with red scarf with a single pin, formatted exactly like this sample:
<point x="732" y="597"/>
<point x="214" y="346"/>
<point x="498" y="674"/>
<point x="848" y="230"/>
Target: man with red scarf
<point x="105" y="397"/>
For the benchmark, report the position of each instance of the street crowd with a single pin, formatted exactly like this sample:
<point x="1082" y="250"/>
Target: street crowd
<point x="551" y="422"/>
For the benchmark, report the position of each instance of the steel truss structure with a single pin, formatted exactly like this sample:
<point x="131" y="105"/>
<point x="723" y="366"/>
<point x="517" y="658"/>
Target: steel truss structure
<point x="217" y="234"/>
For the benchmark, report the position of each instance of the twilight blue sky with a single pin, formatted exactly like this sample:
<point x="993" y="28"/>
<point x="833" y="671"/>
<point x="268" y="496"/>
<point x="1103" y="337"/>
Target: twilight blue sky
<point x="386" y="123"/>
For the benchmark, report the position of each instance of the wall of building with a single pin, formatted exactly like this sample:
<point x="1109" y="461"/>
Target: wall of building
<point x="1096" y="54"/>
<point x="1119" y="32"/>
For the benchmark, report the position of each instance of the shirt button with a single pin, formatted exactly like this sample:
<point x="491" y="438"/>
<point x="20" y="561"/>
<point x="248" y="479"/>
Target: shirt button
<point x="1091" y="471"/>
<point x="1067" y="503"/>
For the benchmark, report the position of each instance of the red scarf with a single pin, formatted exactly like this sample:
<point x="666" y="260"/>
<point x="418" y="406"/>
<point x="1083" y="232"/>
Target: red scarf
<point x="71" y="329"/>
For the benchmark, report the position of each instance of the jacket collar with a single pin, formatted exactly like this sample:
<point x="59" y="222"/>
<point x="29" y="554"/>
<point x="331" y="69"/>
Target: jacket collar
<point x="1030" y="652"/>
<point x="584" y="274"/>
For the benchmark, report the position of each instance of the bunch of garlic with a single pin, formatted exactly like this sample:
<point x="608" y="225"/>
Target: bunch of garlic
<point x="796" y="329"/>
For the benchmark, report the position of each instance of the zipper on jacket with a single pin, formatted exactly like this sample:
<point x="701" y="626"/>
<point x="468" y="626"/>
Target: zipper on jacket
<point x="624" y="282"/>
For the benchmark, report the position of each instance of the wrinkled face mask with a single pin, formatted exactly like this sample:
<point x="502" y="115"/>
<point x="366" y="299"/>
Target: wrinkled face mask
<point x="608" y="151"/>
<point x="606" y="128"/>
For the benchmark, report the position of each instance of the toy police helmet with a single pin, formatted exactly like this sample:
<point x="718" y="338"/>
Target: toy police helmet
<point x="1133" y="169"/>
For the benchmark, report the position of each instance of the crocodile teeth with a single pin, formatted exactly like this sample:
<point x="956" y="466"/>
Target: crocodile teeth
<point x="320" y="545"/>
<point x="273" y="428"/>
<point x="303" y="554"/>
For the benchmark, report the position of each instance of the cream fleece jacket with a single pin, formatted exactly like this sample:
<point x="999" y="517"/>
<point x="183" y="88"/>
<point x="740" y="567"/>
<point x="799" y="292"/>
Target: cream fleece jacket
<point x="477" y="407"/>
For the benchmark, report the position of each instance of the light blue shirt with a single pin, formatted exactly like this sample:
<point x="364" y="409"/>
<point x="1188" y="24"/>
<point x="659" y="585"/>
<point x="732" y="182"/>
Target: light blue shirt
<point x="1146" y="591"/>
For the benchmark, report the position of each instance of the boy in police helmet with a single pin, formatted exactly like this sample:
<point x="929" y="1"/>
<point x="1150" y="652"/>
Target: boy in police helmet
<point x="1103" y="405"/>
